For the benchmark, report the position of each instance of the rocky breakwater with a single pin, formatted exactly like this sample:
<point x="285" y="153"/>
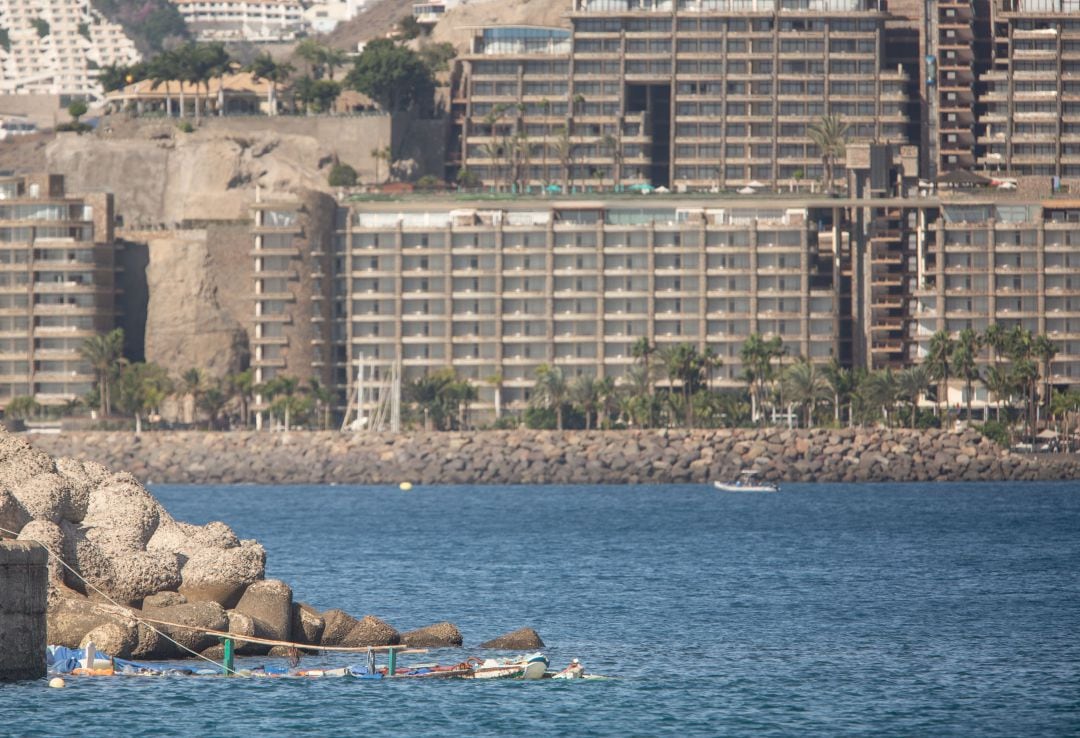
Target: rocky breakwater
<point x="579" y="457"/>
<point x="119" y="562"/>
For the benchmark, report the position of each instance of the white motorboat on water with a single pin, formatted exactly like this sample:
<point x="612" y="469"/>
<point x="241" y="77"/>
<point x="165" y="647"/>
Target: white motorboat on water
<point x="747" y="482"/>
<point x="532" y="666"/>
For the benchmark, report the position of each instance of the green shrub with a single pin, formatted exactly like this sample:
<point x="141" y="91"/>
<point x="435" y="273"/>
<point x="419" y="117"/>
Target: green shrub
<point x="185" y="126"/>
<point x="428" y="182"/>
<point x="997" y="432"/>
<point x="342" y="175"/>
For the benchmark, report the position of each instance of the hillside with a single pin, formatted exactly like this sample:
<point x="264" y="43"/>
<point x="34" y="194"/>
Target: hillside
<point x="378" y="19"/>
<point x="151" y="24"/>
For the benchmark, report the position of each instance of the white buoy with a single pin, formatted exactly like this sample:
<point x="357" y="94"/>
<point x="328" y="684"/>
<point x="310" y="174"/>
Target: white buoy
<point x="405" y="486"/>
<point x="57" y="683"/>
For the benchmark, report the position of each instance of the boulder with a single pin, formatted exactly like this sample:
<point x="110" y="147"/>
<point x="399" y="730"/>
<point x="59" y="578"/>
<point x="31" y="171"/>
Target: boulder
<point x="115" y="639"/>
<point x="243" y="625"/>
<point x="222" y="575"/>
<point x="187" y="539"/>
<point x="70" y="617"/>
<point x="371" y="631"/>
<point x="269" y="604"/>
<point x="307" y="624"/>
<point x="122" y="514"/>
<point x="44" y="496"/>
<point x="337" y="624"/>
<point x="13" y="515"/>
<point x="200" y="616"/>
<point x="143" y="573"/>
<point x="83" y="476"/>
<point x="522" y="639"/>
<point x="19" y="462"/>
<point x="50" y="535"/>
<point x="284" y="652"/>
<point x="148" y="642"/>
<point x="90" y="561"/>
<point x="164" y="599"/>
<point x="439" y="635"/>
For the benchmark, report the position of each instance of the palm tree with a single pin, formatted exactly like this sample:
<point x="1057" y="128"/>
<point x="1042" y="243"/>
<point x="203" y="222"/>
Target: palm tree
<point x="585" y="392"/>
<point x="314" y="55"/>
<point x="1043" y="349"/>
<point x="937" y="360"/>
<point x="264" y="67"/>
<point x="496" y="381"/>
<point x="611" y="145"/>
<point x="841" y="383"/>
<point x="242" y="385"/>
<point x="911" y="384"/>
<point x="212" y="401"/>
<point x="332" y="59"/>
<point x="964" y="362"/>
<point x="805" y="385"/>
<point x="104" y="353"/>
<point x="380" y="154"/>
<point x="550" y="391"/>
<point x="997" y="338"/>
<point x="878" y="390"/>
<point x="323" y="398"/>
<point x="193" y="384"/>
<point x="565" y="149"/>
<point x="999" y="382"/>
<point x="162" y="69"/>
<point x="642" y="350"/>
<point x="685" y="366"/>
<point x="830" y="134"/>
<point x="142" y="389"/>
<point x="609" y="402"/>
<point x="757" y="355"/>
<point x="639" y="403"/>
<point x="280" y="390"/>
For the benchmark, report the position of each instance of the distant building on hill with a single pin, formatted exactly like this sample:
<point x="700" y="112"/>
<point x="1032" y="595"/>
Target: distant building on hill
<point x="58" y="268"/>
<point x="57" y="47"/>
<point x="323" y="16"/>
<point x="248" y="20"/>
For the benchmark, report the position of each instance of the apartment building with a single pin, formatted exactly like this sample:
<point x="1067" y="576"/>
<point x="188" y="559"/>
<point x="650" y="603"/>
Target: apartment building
<point x="692" y="95"/>
<point x="258" y="21"/>
<point x="1032" y="93"/>
<point x="58" y="265"/>
<point x="500" y="291"/>
<point x="56" y="47"/>
<point x="292" y="289"/>
<point x="1013" y="263"/>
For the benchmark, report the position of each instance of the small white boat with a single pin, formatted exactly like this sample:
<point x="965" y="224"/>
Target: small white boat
<point x="528" y="667"/>
<point x="747" y="482"/>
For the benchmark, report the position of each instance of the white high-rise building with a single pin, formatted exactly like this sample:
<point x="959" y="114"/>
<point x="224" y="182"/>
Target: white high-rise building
<point x="56" y="47"/>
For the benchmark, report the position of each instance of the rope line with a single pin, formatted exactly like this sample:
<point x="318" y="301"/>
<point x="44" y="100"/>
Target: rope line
<point x="130" y="614"/>
<point x="122" y="610"/>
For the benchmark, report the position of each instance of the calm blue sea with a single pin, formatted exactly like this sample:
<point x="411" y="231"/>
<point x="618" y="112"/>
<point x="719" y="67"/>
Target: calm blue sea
<point x="905" y="610"/>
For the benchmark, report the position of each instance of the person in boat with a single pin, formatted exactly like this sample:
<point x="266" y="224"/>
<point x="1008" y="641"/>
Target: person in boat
<point x="574" y="671"/>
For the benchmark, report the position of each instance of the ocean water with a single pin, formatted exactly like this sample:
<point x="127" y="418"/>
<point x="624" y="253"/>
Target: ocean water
<point x="904" y="609"/>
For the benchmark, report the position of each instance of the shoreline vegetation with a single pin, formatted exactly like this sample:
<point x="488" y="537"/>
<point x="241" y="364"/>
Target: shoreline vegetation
<point x="524" y="456"/>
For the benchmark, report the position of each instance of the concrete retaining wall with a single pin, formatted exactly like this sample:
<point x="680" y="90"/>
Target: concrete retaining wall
<point x="23" y="590"/>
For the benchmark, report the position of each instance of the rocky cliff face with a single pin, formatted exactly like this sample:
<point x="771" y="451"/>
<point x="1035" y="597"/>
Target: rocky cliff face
<point x="159" y="175"/>
<point x="193" y="316"/>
